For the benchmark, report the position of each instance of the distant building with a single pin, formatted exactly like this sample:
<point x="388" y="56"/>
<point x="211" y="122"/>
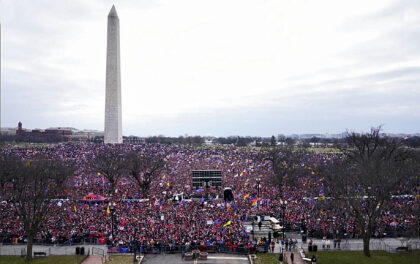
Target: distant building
<point x="49" y="131"/>
<point x="133" y="140"/>
<point x="52" y="134"/>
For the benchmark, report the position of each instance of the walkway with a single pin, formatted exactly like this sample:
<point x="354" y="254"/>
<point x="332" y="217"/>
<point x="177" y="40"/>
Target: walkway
<point x="212" y="259"/>
<point x="355" y="244"/>
<point x="93" y="260"/>
<point x="297" y="258"/>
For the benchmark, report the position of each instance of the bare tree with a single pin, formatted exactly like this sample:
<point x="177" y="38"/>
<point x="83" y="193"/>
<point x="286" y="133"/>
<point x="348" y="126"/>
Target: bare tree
<point x="285" y="162"/>
<point x="33" y="184"/>
<point x="110" y="162"/>
<point x="144" y="169"/>
<point x="371" y="170"/>
<point x="8" y="166"/>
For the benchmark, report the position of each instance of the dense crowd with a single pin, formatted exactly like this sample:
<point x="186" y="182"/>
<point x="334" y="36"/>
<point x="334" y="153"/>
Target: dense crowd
<point x="201" y="218"/>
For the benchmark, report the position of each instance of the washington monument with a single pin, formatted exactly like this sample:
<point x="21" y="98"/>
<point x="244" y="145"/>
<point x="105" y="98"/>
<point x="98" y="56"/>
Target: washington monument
<point x="113" y="121"/>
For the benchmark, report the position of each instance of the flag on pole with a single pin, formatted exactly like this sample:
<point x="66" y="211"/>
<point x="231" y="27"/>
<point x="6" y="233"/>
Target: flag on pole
<point x="254" y="202"/>
<point x="107" y="210"/>
<point x="75" y="209"/>
<point x="227" y="223"/>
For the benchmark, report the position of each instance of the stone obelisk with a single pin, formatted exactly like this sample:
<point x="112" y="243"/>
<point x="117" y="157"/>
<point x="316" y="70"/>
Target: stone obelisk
<point x="113" y="121"/>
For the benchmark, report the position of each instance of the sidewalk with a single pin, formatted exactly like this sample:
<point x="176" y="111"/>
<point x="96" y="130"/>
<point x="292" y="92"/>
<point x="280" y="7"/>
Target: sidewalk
<point x="296" y="257"/>
<point x="354" y="244"/>
<point x="93" y="260"/>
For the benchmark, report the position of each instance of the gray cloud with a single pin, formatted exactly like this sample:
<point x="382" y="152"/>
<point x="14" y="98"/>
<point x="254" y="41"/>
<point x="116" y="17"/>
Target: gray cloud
<point x="53" y="66"/>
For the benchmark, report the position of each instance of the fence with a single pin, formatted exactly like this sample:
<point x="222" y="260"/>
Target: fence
<point x="60" y="242"/>
<point x="98" y="252"/>
<point x="390" y="246"/>
<point x="229" y="249"/>
<point x="16" y="250"/>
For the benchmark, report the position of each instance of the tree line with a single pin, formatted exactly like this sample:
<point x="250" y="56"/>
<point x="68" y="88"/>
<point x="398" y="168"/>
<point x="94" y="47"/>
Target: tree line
<point x="239" y="141"/>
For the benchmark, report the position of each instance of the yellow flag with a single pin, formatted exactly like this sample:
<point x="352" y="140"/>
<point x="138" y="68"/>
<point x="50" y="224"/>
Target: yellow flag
<point x="107" y="210"/>
<point x="246" y="196"/>
<point x="228" y="223"/>
<point x="75" y="209"/>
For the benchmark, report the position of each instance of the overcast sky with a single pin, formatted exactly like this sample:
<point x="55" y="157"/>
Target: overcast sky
<point x="228" y="67"/>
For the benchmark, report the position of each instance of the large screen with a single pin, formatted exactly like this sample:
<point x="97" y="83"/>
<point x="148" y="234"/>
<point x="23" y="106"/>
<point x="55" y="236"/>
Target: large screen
<point x="207" y="178"/>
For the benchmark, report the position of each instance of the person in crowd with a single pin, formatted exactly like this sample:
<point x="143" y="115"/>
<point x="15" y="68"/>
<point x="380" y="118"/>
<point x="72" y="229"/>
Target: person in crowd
<point x="201" y="218"/>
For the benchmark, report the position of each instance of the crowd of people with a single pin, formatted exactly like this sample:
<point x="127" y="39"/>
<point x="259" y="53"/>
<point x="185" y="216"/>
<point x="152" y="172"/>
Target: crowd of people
<point x="202" y="217"/>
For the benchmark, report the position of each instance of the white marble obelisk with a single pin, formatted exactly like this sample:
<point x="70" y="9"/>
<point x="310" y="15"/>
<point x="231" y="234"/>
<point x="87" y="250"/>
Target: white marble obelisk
<point x="113" y="121"/>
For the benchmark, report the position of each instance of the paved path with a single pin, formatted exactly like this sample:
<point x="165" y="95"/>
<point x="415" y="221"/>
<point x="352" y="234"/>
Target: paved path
<point x="212" y="258"/>
<point x="354" y="244"/>
<point x="296" y="257"/>
<point x="93" y="260"/>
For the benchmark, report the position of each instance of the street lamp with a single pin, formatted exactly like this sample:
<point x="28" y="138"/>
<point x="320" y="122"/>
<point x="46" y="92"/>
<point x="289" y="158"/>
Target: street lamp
<point x="135" y="245"/>
<point x="112" y="210"/>
<point x="283" y="205"/>
<point x="258" y="187"/>
<point x="253" y="224"/>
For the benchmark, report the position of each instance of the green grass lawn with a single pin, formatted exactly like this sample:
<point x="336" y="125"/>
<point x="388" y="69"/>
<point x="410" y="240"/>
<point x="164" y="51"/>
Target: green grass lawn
<point x="267" y="258"/>
<point x="352" y="257"/>
<point x="30" y="145"/>
<point x="120" y="260"/>
<point x="47" y="260"/>
<point x="324" y="150"/>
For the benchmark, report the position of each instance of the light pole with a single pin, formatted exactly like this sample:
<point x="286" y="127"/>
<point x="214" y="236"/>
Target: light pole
<point x="112" y="209"/>
<point x="283" y="205"/>
<point x="253" y="224"/>
<point x="135" y="245"/>
<point x="258" y="187"/>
